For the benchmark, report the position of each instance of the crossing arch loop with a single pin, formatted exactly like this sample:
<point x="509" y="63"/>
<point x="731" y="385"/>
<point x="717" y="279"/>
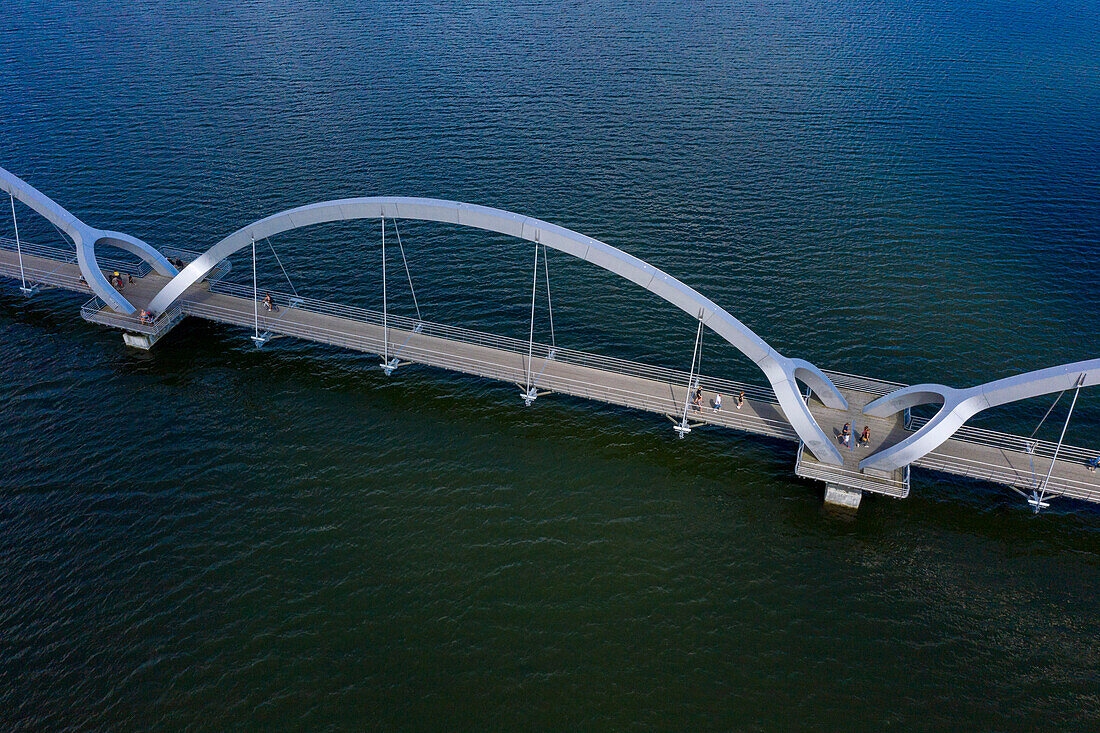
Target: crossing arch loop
<point x="782" y="372"/>
<point x="86" y="238"/>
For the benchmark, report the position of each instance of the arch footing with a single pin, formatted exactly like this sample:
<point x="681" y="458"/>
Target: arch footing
<point x="389" y="367"/>
<point x="842" y="498"/>
<point x="1036" y="502"/>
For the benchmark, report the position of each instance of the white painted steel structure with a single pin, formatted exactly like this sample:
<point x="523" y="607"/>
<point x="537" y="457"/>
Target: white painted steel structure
<point x="922" y="447"/>
<point x="782" y="372"/>
<point x="86" y="238"/>
<point x="959" y="405"/>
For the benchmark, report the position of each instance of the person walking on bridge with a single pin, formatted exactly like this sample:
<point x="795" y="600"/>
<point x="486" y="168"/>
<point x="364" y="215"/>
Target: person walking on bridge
<point x="865" y="436"/>
<point x="845" y="436"/>
<point x="717" y="402"/>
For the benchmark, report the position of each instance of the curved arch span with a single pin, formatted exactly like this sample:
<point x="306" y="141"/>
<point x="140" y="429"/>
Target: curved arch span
<point x="782" y="372"/>
<point x="959" y="405"/>
<point x="86" y="238"/>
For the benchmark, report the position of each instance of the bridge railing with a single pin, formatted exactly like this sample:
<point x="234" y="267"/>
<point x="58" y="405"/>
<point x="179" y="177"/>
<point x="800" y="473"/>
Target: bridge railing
<point x="813" y="469"/>
<point x="138" y="268"/>
<point x="188" y="256"/>
<point x="39" y="250"/>
<point x="54" y="277"/>
<point x="68" y="256"/>
<point x="1077" y="488"/>
<point x="862" y="384"/>
<point x="517" y="346"/>
<point x="96" y="311"/>
<point x="424" y="349"/>
<point x="1019" y="443"/>
<point x="969" y="433"/>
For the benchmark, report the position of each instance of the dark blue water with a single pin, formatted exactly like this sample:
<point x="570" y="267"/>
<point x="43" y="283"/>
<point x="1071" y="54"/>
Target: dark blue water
<point x="213" y="537"/>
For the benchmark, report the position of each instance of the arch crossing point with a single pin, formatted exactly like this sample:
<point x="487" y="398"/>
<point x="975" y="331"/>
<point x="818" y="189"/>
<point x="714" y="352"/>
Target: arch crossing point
<point x="959" y="405"/>
<point x="86" y="238"/>
<point x="782" y="372"/>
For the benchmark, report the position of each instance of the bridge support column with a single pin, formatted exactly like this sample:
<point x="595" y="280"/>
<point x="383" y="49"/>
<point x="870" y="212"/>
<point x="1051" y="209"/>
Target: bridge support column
<point x="137" y="341"/>
<point x="842" y="497"/>
<point x="143" y="341"/>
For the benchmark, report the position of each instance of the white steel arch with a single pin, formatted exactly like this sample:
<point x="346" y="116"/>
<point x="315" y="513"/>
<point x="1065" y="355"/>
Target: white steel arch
<point x="959" y="405"/>
<point x="782" y="372"/>
<point x="86" y="238"/>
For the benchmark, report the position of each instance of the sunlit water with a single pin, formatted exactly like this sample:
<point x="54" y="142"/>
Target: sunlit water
<point x="210" y="536"/>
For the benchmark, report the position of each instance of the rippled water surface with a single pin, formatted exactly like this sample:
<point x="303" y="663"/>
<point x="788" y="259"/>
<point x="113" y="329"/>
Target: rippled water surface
<point x="213" y="537"/>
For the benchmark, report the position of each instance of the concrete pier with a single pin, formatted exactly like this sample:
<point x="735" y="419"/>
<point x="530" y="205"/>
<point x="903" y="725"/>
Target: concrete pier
<point x="843" y="498"/>
<point x="137" y="341"/>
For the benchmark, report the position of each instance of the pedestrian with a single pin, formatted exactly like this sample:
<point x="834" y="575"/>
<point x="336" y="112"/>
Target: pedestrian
<point x="740" y="400"/>
<point x="269" y="303"/>
<point x="865" y="436"/>
<point x="845" y="434"/>
<point x="717" y="402"/>
<point x="1093" y="464"/>
<point x="130" y="278"/>
<point x="697" y="399"/>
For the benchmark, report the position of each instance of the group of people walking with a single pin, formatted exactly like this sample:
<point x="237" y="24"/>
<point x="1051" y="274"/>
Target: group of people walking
<point x="119" y="281"/>
<point x="697" y="400"/>
<point x="845" y="436"/>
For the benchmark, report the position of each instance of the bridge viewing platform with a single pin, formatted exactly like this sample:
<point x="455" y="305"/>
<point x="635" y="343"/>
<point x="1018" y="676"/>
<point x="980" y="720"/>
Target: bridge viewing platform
<point x="1009" y="460"/>
<point x="801" y="402"/>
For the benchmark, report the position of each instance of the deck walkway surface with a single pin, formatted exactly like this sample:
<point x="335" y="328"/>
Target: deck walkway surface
<point x="986" y="455"/>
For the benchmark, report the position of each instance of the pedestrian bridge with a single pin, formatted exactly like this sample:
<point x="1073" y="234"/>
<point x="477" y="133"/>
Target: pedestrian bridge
<point x="801" y="403"/>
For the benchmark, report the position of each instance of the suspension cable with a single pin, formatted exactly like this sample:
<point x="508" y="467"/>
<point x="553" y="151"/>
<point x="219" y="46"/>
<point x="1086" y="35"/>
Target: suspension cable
<point x="18" y="247"/>
<point x="691" y="375"/>
<point x="702" y="331"/>
<point x="61" y="234"/>
<point x="1056" y="399"/>
<point x="385" y="306"/>
<point x="291" y="284"/>
<point x="255" y="291"/>
<point x="406" y="263"/>
<point x="1030" y="445"/>
<point x="1058" y="448"/>
<point x="549" y="302"/>
<point x="531" y="337"/>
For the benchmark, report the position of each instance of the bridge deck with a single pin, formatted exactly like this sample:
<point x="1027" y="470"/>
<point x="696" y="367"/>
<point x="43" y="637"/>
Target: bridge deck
<point x="985" y="455"/>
